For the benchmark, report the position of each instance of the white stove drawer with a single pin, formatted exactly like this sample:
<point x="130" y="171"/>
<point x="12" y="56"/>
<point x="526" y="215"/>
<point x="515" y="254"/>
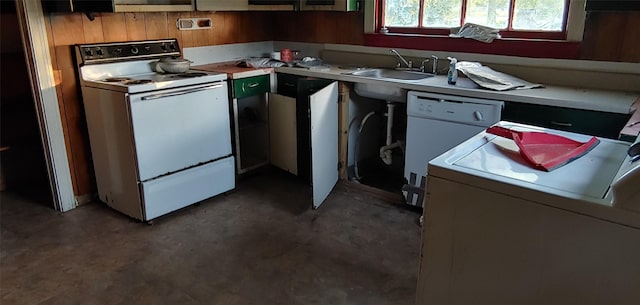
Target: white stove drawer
<point x="172" y="192"/>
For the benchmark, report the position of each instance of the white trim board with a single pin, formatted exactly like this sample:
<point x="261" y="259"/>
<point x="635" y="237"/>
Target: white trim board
<point x="227" y="52"/>
<point x="305" y="48"/>
<point x="36" y="47"/>
<point x="237" y="51"/>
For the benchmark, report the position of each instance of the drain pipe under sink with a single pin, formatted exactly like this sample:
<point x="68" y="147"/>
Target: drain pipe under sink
<point x="385" y="151"/>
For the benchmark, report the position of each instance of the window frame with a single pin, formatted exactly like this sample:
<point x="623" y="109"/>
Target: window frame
<point x="507" y="46"/>
<point x="507" y="33"/>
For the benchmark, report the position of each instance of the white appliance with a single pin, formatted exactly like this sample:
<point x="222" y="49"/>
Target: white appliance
<point x="498" y="231"/>
<point x="435" y="124"/>
<point x="159" y="142"/>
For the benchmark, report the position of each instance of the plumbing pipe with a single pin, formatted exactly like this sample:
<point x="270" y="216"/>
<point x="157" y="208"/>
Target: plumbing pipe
<point x="390" y="109"/>
<point x="385" y="152"/>
<point x="355" y="161"/>
<point x="364" y="120"/>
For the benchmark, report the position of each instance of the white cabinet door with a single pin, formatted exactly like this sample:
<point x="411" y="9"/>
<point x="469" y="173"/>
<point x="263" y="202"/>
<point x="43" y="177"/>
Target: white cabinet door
<point x="222" y="5"/>
<point x="282" y="132"/>
<point x="324" y="142"/>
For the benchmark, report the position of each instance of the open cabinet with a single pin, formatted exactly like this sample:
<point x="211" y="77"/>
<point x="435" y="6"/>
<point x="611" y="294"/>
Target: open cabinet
<point x="249" y="106"/>
<point x="303" y="128"/>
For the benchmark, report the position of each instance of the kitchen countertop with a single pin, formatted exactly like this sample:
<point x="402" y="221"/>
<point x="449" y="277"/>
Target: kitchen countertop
<point x="578" y="98"/>
<point x="232" y="70"/>
<point x="587" y="99"/>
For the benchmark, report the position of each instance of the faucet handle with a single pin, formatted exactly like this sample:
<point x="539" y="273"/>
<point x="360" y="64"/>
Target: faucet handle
<point x="434" y="64"/>
<point x="422" y="67"/>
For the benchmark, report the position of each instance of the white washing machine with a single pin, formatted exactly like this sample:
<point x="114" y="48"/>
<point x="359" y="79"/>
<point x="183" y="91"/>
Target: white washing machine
<point x="436" y="123"/>
<point x="498" y="231"/>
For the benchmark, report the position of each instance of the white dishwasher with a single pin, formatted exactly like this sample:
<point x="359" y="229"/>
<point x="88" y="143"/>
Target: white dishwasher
<point x="435" y="124"/>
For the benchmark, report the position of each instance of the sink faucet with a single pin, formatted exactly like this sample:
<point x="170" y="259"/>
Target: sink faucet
<point x="407" y="63"/>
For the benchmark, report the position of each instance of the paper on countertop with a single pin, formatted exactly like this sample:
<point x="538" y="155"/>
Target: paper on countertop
<point x="260" y="62"/>
<point x="312" y="63"/>
<point x="488" y="78"/>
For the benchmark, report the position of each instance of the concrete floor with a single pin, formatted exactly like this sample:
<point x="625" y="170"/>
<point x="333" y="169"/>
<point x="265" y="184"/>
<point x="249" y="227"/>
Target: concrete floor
<point x="260" y="244"/>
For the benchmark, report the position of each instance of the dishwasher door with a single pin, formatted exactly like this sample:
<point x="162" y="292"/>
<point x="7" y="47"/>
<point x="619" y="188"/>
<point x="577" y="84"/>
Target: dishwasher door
<point x="435" y="124"/>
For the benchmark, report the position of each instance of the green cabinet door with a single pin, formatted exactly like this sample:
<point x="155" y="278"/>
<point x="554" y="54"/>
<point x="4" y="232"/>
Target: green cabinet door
<point x="250" y="86"/>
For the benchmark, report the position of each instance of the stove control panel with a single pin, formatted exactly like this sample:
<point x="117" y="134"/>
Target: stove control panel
<point x="119" y="51"/>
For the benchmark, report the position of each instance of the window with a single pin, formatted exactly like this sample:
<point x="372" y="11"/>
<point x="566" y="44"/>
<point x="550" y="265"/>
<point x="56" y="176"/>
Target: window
<point x="543" y="19"/>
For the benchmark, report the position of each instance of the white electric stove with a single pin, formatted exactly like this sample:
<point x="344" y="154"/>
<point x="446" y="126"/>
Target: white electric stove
<point x="159" y="142"/>
<point x="499" y="231"/>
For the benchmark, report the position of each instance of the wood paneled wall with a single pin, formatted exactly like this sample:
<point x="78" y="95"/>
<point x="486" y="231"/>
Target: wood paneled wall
<point x="611" y="36"/>
<point x="66" y="30"/>
<point x="320" y="27"/>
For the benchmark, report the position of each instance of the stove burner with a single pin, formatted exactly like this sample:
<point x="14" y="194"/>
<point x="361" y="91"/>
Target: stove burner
<point x="137" y="81"/>
<point x="117" y="79"/>
<point x="191" y="74"/>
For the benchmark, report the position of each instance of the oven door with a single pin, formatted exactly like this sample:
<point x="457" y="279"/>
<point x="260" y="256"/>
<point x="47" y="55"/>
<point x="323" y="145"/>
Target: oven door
<point x="175" y="129"/>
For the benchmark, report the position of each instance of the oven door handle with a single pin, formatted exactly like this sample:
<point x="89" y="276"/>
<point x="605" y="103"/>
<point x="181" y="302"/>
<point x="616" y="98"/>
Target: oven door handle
<point x="169" y="94"/>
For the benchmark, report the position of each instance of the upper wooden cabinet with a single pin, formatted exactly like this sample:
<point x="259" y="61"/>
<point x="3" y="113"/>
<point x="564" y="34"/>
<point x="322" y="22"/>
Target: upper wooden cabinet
<point x="222" y="5"/>
<point x="117" y="5"/>
<point x="330" y="5"/>
<point x="305" y="5"/>
<point x="273" y="5"/>
<point x="200" y="5"/>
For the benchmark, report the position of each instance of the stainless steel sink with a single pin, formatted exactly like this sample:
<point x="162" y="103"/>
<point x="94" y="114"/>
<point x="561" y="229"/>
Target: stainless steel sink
<point x="381" y="73"/>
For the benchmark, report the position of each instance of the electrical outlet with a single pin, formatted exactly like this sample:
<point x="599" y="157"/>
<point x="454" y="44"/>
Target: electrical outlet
<point x="193" y="23"/>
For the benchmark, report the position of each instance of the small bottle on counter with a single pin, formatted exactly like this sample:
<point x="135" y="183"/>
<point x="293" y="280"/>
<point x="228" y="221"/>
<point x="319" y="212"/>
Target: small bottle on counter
<point x="286" y="55"/>
<point x="452" y="75"/>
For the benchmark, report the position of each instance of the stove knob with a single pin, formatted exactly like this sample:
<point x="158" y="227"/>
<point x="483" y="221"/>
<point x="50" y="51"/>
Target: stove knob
<point x="172" y="46"/>
<point x="99" y="52"/>
<point x="147" y="48"/>
<point x="134" y="50"/>
<point x="88" y="52"/>
<point x="117" y="51"/>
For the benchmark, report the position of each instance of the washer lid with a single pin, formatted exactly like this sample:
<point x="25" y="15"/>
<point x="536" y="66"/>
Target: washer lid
<point x="588" y="176"/>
